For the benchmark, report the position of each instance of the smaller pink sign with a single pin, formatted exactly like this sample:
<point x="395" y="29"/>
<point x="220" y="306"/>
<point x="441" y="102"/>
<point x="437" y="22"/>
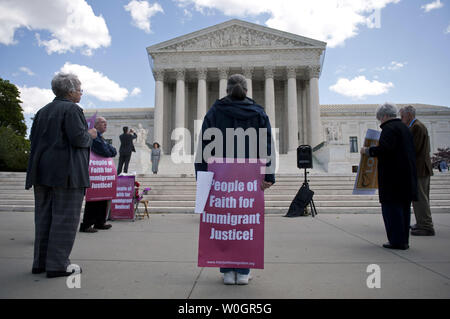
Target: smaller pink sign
<point x="103" y="178"/>
<point x="122" y="205"/>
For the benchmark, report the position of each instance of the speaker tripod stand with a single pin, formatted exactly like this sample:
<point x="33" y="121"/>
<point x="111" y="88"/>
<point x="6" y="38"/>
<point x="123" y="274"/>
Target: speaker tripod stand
<point x="311" y="202"/>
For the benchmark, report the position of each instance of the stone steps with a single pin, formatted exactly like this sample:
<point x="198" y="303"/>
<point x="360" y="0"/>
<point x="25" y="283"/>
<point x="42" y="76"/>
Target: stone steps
<point x="176" y="194"/>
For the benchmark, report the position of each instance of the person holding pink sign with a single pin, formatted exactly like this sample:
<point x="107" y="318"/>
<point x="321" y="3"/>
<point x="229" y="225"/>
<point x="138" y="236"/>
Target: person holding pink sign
<point x="240" y="114"/>
<point x="95" y="211"/>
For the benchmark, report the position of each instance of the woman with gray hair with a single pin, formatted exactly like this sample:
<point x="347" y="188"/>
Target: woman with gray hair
<point x="397" y="180"/>
<point x="58" y="172"/>
<point x="237" y="111"/>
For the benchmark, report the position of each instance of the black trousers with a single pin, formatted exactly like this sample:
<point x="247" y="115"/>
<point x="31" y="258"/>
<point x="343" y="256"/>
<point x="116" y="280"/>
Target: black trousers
<point x="123" y="159"/>
<point x="397" y="217"/>
<point x="94" y="214"/>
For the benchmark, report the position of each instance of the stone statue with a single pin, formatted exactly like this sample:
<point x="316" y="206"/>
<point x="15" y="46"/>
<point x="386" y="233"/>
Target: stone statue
<point x="141" y="135"/>
<point x="333" y="135"/>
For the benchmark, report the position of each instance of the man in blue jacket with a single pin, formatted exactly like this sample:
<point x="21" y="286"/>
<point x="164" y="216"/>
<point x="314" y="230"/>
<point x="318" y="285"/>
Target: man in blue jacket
<point x="95" y="212"/>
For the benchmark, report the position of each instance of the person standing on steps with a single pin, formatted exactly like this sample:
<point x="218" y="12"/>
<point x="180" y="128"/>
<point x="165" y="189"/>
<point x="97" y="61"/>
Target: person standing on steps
<point x="126" y="149"/>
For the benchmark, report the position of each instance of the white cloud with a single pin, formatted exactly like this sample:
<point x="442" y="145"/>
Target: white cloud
<point x="432" y="6"/>
<point x="72" y="24"/>
<point x="141" y="12"/>
<point x="396" y="65"/>
<point x="26" y="70"/>
<point x="96" y="84"/>
<point x="332" y="21"/>
<point x="33" y="98"/>
<point x="136" y="91"/>
<point x="448" y="29"/>
<point x="360" y="87"/>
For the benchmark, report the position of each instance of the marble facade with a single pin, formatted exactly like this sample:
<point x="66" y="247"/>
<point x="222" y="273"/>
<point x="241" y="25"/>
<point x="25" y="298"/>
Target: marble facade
<point x="340" y="124"/>
<point x="282" y="71"/>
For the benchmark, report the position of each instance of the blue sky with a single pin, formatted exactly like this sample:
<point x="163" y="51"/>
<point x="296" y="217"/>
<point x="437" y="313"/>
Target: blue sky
<point x="379" y="50"/>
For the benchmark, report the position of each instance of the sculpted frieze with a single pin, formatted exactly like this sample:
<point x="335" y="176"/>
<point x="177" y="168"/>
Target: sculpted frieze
<point x="235" y="37"/>
<point x="230" y="58"/>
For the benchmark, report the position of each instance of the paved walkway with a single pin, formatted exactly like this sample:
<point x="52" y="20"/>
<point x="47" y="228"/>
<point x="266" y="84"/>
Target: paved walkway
<point x="324" y="257"/>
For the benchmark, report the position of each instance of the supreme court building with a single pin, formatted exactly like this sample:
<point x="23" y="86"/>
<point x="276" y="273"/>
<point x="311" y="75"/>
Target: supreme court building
<point x="282" y="71"/>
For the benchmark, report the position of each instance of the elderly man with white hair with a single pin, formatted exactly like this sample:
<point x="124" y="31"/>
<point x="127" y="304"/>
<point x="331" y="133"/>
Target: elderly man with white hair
<point x="422" y="211"/>
<point x="95" y="212"/>
<point x="397" y="180"/>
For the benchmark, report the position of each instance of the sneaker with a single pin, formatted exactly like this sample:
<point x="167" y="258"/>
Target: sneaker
<point x="88" y="230"/>
<point x="243" y="279"/>
<point x="229" y="278"/>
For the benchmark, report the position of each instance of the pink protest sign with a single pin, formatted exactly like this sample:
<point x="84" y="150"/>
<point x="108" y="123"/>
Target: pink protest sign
<point x="232" y="225"/>
<point x="103" y="178"/>
<point x="122" y="204"/>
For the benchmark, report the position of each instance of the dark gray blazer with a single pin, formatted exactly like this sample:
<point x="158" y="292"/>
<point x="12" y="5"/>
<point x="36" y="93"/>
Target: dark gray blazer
<point x="60" y="145"/>
<point x="126" y="143"/>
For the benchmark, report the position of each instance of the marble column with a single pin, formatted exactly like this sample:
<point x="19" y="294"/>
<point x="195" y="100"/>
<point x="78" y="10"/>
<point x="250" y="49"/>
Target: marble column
<point x="158" y="121"/>
<point x="248" y="74"/>
<point x="180" y="99"/>
<point x="292" y="109"/>
<point x="201" y="93"/>
<point x="269" y="94"/>
<point x="223" y="77"/>
<point x="314" y="107"/>
<point x="305" y="114"/>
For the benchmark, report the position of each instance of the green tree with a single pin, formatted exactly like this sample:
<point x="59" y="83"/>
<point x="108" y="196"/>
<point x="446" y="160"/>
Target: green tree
<point x="11" y="113"/>
<point x="14" y="147"/>
<point x="14" y="150"/>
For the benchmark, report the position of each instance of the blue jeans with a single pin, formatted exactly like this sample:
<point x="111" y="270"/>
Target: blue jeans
<point x="242" y="271"/>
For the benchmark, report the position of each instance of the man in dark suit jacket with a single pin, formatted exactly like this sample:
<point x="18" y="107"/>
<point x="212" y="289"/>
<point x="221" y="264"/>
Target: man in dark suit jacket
<point x="126" y="147"/>
<point x="424" y="226"/>
<point x="58" y="171"/>
<point x="397" y="179"/>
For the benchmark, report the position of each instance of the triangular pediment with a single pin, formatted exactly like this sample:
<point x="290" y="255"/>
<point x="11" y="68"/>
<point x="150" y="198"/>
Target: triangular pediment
<point x="235" y="34"/>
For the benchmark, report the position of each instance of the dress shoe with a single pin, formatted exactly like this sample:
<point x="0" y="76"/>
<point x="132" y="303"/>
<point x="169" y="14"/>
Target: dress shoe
<point x="400" y="247"/>
<point x="55" y="274"/>
<point x="422" y="232"/>
<point x="88" y="230"/>
<point x="104" y="226"/>
<point x="36" y="271"/>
